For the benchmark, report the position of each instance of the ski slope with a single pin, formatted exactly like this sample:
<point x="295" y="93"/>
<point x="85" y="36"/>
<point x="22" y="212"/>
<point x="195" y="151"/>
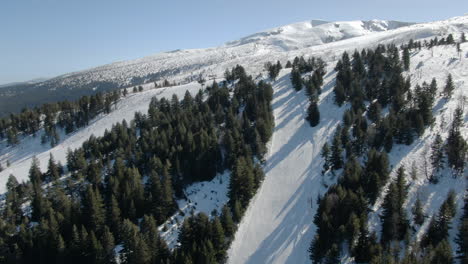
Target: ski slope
<point x="277" y="226"/>
<point x="20" y="156"/>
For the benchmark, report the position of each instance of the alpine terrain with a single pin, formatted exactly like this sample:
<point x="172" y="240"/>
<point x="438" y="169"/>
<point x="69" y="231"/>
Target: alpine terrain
<point x="314" y="142"/>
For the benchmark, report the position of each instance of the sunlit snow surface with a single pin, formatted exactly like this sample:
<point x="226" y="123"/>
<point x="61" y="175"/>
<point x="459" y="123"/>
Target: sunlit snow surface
<point x="277" y="226"/>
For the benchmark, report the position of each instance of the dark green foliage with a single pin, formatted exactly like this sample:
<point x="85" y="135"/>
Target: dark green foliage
<point x="336" y="158"/>
<point x="406" y="59"/>
<point x="375" y="77"/>
<point x="456" y="147"/>
<point x="442" y="253"/>
<point x="418" y="214"/>
<point x="122" y="185"/>
<point x="449" y="86"/>
<point x="296" y="79"/>
<point x="325" y="153"/>
<point x="61" y="115"/>
<point x="376" y="173"/>
<point x="462" y="236"/>
<point x="241" y="186"/>
<point x="437" y="157"/>
<point x="313" y="114"/>
<point x="441" y="223"/>
<point x="374" y="112"/>
<point x="273" y="69"/>
<point x="395" y="222"/>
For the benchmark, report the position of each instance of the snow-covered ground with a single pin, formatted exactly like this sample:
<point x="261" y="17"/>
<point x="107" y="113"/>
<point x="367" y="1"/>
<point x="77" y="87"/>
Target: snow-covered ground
<point x="277" y="226"/>
<point x="201" y="197"/>
<point x="20" y="156"/>
<point x="254" y="50"/>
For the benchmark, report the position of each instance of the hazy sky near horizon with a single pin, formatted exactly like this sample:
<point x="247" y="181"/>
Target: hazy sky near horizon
<point x="46" y="38"/>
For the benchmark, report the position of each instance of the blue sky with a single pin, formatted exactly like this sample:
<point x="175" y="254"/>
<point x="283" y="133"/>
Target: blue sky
<point x="45" y="38"/>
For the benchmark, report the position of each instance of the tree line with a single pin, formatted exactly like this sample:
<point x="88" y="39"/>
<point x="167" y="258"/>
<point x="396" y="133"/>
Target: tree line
<point x="371" y="81"/>
<point x="117" y="189"/>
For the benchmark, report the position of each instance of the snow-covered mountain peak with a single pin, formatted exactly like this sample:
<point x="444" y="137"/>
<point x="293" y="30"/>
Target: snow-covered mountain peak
<point x="315" y="32"/>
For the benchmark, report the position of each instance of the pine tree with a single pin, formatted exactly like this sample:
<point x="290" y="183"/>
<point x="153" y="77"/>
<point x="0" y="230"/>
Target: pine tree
<point x="450" y="40"/>
<point x="449" y="87"/>
<point x="227" y="222"/>
<point x="108" y="245"/>
<point x="418" y="214"/>
<point x="113" y="215"/>
<point x="406" y="59"/>
<point x="437" y="156"/>
<point x="241" y="185"/>
<point x="374" y="112"/>
<point x="94" y="208"/>
<point x="167" y="193"/>
<point x="394" y="220"/>
<point x="462" y="236"/>
<point x="441" y="224"/>
<point x="442" y="253"/>
<point x="53" y="171"/>
<point x="456" y="147"/>
<point x="35" y="174"/>
<point x="463" y="38"/>
<point x="313" y="114"/>
<point x="336" y="158"/>
<point x="135" y="250"/>
<point x="340" y="94"/>
<point x="296" y="79"/>
<point x="326" y="157"/>
<point x="218" y="238"/>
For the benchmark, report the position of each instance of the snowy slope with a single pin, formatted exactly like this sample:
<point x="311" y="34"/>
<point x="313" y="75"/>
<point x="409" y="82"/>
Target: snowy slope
<point x="20" y="156"/>
<point x="277" y="227"/>
<point x="296" y="38"/>
<point x="185" y="64"/>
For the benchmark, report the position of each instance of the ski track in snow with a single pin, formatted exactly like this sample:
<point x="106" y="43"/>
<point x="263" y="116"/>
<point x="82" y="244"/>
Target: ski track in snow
<point x="278" y="224"/>
<point x="276" y="227"/>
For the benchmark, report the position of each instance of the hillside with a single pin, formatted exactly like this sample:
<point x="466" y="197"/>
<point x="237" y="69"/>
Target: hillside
<point x="277" y="227"/>
<point x="185" y="65"/>
<point x="278" y="224"/>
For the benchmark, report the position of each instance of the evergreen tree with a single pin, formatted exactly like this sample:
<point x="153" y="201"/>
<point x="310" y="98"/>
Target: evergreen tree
<point x="449" y="87"/>
<point x="241" y="184"/>
<point x="135" y="250"/>
<point x="441" y="224"/>
<point x="340" y="94"/>
<point x="394" y="220"/>
<point x="456" y="147"/>
<point x="218" y="239"/>
<point x="313" y="114"/>
<point x="227" y="222"/>
<point x="296" y="79"/>
<point x="336" y="158"/>
<point x="418" y="214"/>
<point x="94" y="208"/>
<point x="53" y="171"/>
<point x="462" y="237"/>
<point x="406" y="59"/>
<point x="35" y="174"/>
<point x="326" y="157"/>
<point x="437" y="156"/>
<point x="442" y="253"/>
